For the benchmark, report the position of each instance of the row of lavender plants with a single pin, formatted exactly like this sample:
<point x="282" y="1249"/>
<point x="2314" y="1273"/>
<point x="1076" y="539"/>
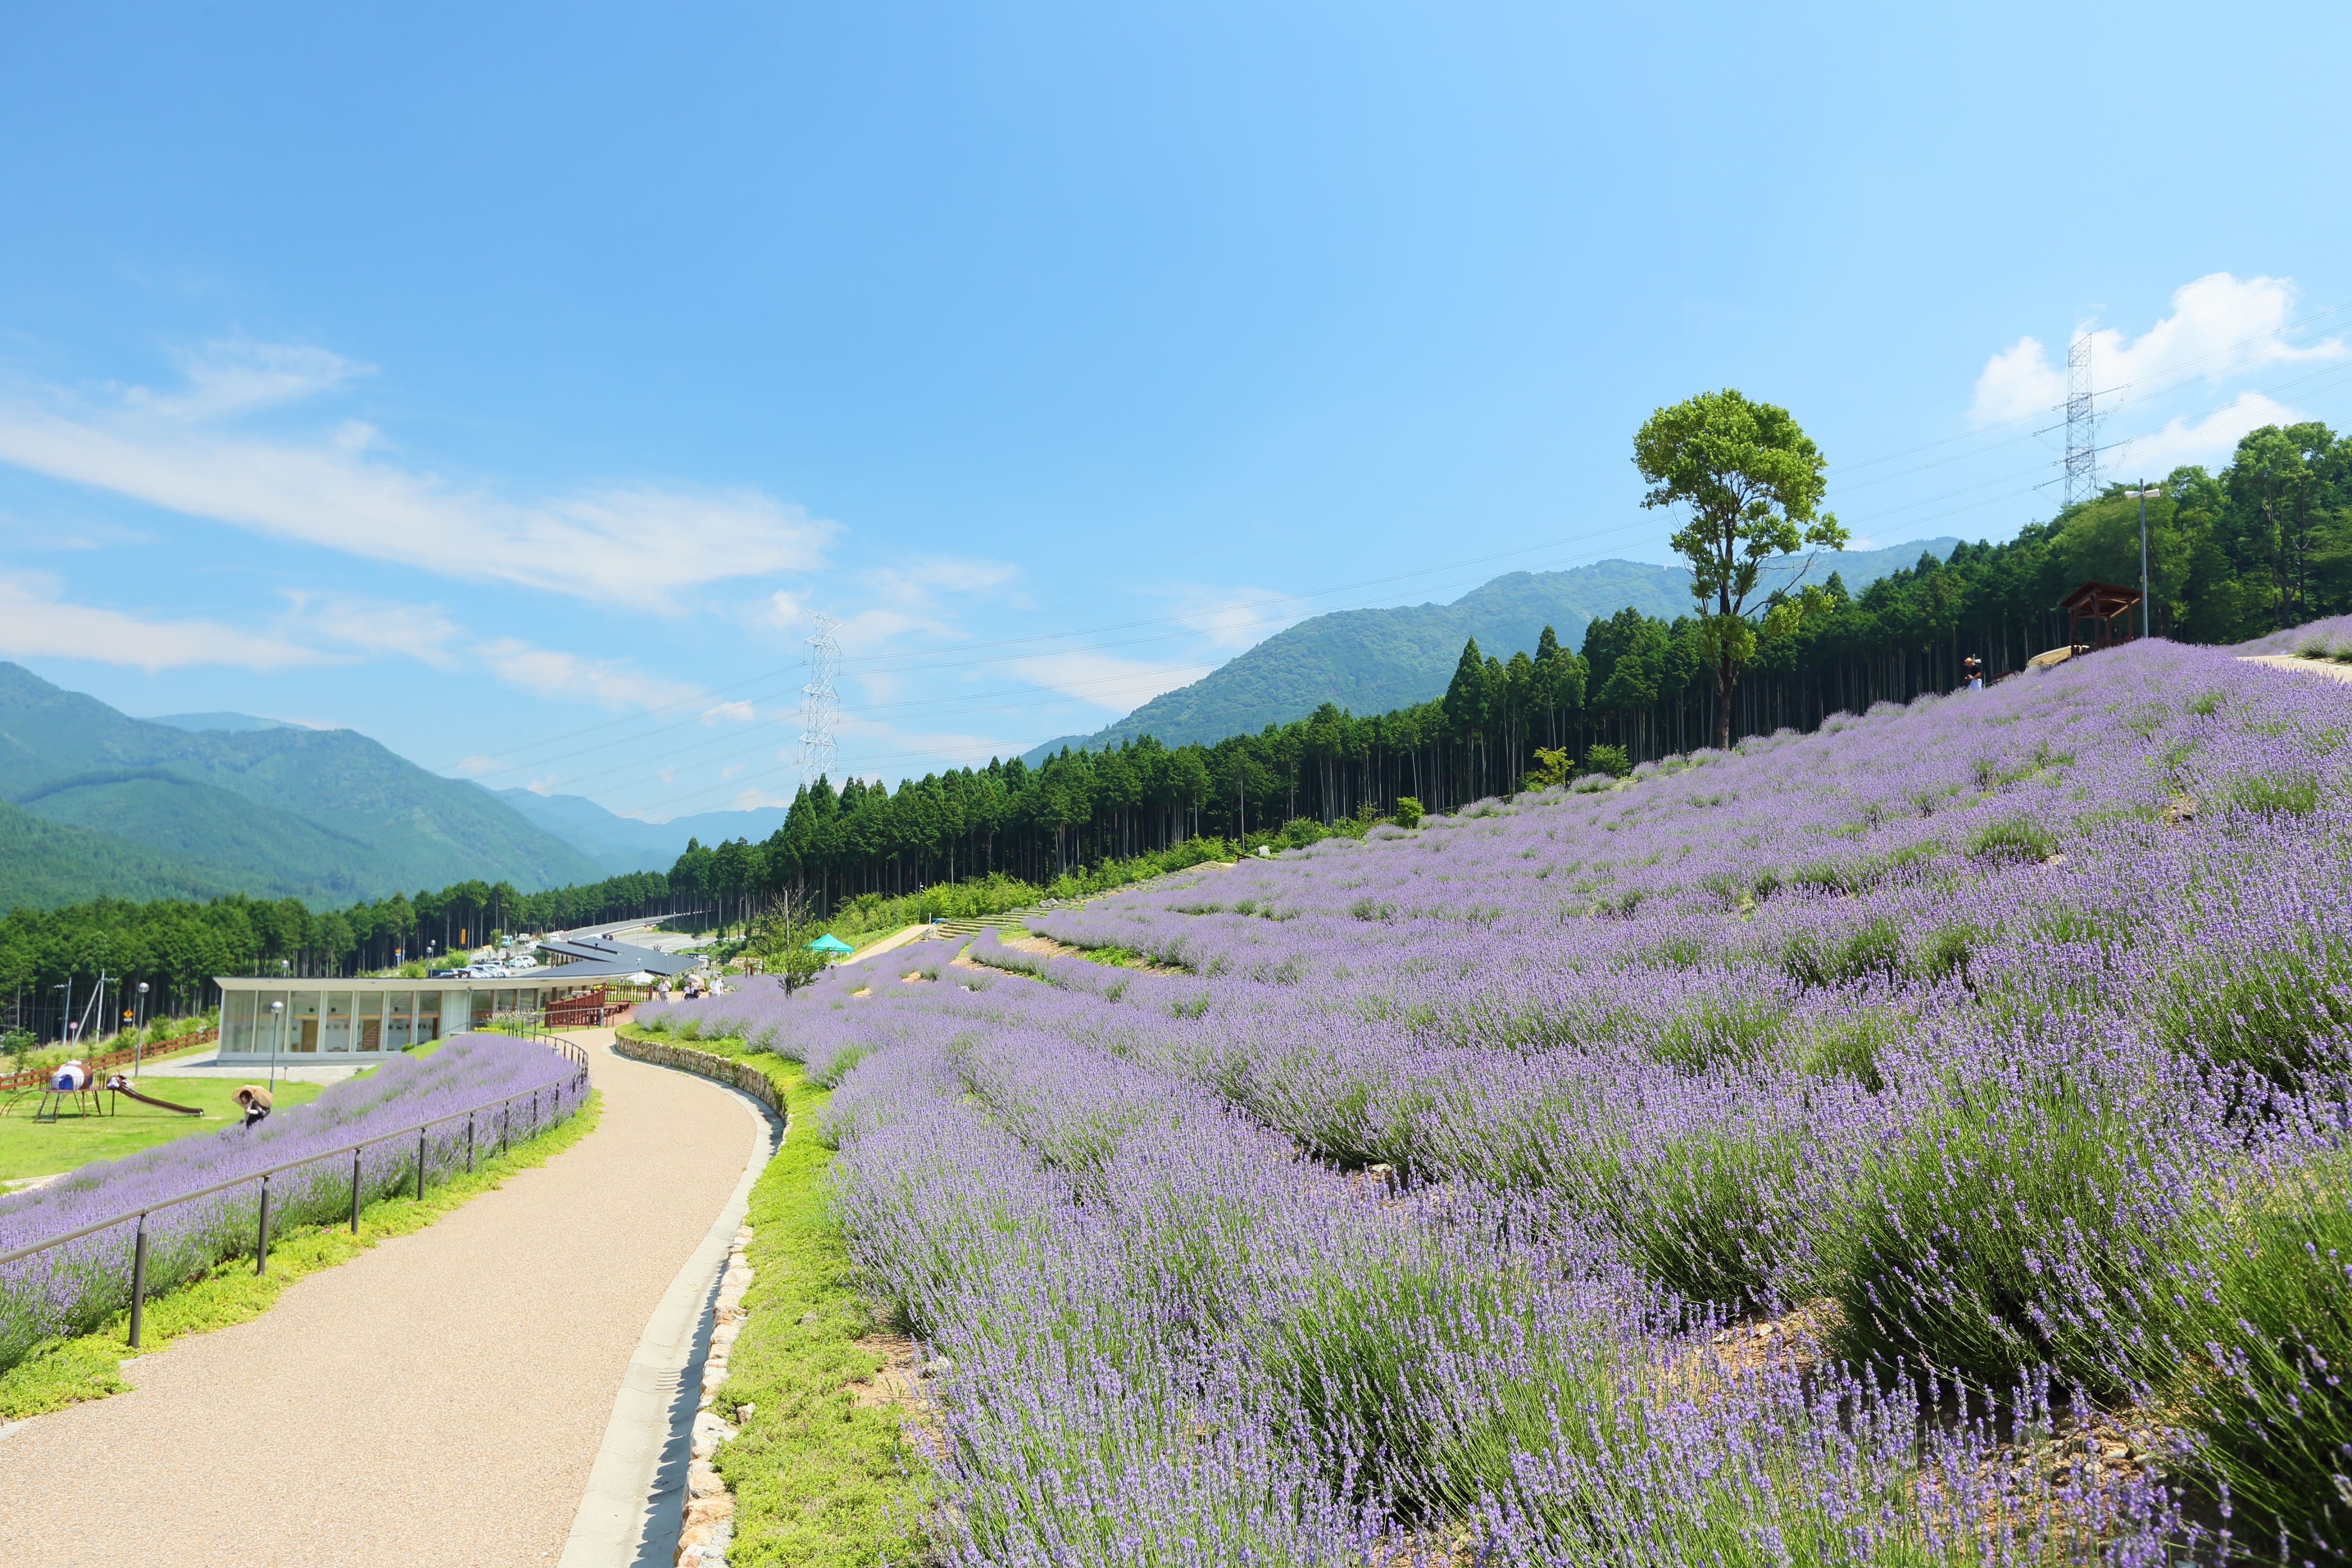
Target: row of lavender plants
<point x="1408" y="1200"/>
<point x="80" y="1285"/>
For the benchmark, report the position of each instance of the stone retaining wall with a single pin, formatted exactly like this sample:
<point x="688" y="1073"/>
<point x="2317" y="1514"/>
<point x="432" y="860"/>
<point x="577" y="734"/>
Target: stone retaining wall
<point x="725" y="1069"/>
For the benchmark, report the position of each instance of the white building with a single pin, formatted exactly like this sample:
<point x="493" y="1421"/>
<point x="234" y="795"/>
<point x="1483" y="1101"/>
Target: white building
<point x="364" y="1017"/>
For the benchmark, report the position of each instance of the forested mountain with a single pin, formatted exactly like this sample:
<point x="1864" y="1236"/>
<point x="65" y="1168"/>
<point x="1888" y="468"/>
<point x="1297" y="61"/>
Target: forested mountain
<point x="1368" y="661"/>
<point x="2265" y="544"/>
<point x="318" y="815"/>
<point x="621" y="843"/>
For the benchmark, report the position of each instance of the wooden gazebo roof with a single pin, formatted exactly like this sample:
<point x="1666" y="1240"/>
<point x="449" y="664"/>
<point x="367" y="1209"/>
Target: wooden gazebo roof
<point x="2099" y="601"/>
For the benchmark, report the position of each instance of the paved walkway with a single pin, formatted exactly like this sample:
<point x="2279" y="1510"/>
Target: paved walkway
<point x="439" y="1399"/>
<point x="2327" y="667"/>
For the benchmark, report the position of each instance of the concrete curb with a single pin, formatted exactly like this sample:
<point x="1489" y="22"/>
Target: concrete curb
<point x="635" y="1504"/>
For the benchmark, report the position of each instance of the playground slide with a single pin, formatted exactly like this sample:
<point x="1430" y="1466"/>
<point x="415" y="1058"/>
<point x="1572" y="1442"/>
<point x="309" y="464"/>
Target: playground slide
<point x="122" y="1086"/>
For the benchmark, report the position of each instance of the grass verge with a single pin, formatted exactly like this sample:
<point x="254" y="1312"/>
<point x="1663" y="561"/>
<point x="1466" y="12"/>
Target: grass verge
<point x="90" y="1366"/>
<point x="30" y="1148"/>
<point x="821" y="1480"/>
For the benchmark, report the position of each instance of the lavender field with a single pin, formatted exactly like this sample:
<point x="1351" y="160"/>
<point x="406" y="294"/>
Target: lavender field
<point x="1919" y="1142"/>
<point x="77" y="1287"/>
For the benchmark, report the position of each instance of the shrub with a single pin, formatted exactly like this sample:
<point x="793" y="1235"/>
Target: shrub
<point x="2267" y="1395"/>
<point x="1610" y="760"/>
<point x="1408" y="812"/>
<point x="2013" y="1227"/>
<point x="2012" y="840"/>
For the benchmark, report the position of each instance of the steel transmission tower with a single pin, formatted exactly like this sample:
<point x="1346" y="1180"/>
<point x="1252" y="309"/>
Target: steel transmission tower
<point x="820" y="706"/>
<point x="2082" y="423"/>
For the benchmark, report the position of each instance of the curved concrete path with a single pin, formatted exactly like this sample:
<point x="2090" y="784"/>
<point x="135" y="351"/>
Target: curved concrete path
<point x="439" y="1399"/>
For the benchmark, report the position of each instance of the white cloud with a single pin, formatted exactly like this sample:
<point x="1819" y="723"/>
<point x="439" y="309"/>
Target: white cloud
<point x="632" y="543"/>
<point x="1105" y="680"/>
<point x="755" y="799"/>
<point x="1233" y="619"/>
<point x="233" y="376"/>
<point x="738" y="712"/>
<point x="2210" y="441"/>
<point x="552" y="673"/>
<point x="541" y="786"/>
<point x="478" y="767"/>
<point x="35" y="622"/>
<point x="375" y="626"/>
<point x="917" y="582"/>
<point x="2221" y="325"/>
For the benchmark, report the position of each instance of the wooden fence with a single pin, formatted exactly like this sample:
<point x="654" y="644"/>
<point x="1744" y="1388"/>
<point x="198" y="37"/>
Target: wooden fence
<point x="107" y="1059"/>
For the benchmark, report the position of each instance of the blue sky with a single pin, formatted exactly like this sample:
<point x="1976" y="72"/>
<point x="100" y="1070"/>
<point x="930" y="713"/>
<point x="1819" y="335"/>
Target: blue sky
<point x="511" y="387"/>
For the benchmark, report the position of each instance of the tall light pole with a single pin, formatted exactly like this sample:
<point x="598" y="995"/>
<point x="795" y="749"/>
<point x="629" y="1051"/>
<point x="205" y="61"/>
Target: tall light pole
<point x="277" y="1036"/>
<point x="138" y="1034"/>
<point x="2144" y="492"/>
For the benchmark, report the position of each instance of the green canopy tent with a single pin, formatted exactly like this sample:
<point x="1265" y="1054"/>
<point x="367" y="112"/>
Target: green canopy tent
<point x="829" y="942"/>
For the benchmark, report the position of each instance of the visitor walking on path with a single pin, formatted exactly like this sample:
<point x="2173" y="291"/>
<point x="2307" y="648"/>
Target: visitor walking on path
<point x="441" y="1398"/>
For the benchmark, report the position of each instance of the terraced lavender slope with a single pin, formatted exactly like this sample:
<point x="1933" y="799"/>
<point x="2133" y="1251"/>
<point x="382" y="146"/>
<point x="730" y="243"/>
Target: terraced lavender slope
<point x="1921" y="1141"/>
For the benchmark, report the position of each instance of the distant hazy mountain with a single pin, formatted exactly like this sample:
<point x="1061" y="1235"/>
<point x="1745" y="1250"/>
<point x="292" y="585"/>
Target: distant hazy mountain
<point x="1368" y="661"/>
<point x="235" y="723"/>
<point x="621" y="843"/>
<point x="328" y="816"/>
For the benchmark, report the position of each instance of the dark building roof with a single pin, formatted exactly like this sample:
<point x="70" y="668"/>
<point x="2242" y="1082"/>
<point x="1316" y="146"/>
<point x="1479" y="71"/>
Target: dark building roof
<point x="578" y="957"/>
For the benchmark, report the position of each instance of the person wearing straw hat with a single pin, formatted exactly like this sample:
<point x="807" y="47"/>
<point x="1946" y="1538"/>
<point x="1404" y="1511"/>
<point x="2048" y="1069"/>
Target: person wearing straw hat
<point x="254" y="1099"/>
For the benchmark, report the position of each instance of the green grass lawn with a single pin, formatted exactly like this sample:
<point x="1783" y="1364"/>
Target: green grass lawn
<point x="28" y="1148"/>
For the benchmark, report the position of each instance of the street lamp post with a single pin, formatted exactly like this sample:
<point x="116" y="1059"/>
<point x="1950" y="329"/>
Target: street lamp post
<point x="2144" y="492"/>
<point x="277" y="1036"/>
<point x="67" y="986"/>
<point x="138" y="1035"/>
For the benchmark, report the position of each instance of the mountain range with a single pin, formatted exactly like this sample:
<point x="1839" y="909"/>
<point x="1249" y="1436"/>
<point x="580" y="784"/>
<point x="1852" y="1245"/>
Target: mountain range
<point x="1370" y="661"/>
<point x="94" y="801"/>
<point x="621" y="843"/>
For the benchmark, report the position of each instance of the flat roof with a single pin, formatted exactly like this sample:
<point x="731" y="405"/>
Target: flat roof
<point x="385" y="983"/>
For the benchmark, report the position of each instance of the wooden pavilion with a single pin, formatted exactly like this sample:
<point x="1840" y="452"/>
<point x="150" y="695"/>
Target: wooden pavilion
<point x="2099" y="603"/>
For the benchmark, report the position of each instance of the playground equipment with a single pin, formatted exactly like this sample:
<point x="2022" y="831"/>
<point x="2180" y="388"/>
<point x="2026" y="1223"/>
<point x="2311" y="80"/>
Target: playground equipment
<point x="76" y="1080"/>
<point x="72" y="1078"/>
<point x="119" y="1084"/>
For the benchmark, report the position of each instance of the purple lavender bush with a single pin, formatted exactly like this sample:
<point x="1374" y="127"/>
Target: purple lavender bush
<point x="78" y="1286"/>
<point x="1428" y="1196"/>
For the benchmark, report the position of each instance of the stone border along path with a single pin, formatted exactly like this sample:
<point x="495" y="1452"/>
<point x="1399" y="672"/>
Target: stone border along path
<point x="631" y="1512"/>
<point x="440" y="1398"/>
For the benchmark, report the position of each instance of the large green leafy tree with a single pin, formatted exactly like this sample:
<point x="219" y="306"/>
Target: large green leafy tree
<point x="1753" y="481"/>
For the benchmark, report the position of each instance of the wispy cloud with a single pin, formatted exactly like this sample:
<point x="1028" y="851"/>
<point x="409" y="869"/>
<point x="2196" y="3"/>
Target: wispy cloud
<point x="1233" y="619"/>
<point x="552" y="673"/>
<point x="1105" y="680"/>
<point x="630" y="542"/>
<point x="37" y="622"/>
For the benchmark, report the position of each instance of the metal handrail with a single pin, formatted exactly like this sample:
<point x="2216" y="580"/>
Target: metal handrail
<point x="571" y="1050"/>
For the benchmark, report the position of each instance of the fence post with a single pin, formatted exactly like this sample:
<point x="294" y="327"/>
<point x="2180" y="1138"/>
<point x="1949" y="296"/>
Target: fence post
<point x="138" y="1280"/>
<point x="469" y="1143"/>
<point x="420" y="1165"/>
<point x="261" y="1240"/>
<point x="355" y="1192"/>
